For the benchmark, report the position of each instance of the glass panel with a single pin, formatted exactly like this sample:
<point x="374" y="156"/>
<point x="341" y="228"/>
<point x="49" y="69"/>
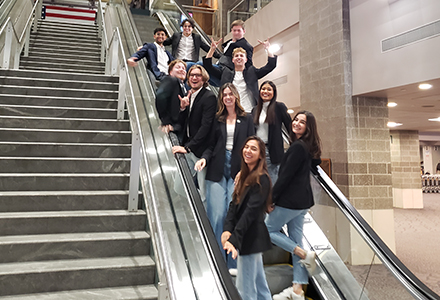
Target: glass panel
<point x="374" y="280"/>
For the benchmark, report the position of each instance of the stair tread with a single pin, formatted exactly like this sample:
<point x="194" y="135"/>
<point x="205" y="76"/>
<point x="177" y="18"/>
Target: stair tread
<point x="75" y="264"/>
<point x="67" y="237"/>
<point x="71" y="213"/>
<point x="60" y="119"/>
<point x="62" y="193"/>
<point x="130" y="292"/>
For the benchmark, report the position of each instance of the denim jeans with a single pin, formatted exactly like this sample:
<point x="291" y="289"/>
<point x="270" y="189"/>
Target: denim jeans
<point x="294" y="218"/>
<point x="218" y="197"/>
<point x="272" y="169"/>
<point x="251" y="280"/>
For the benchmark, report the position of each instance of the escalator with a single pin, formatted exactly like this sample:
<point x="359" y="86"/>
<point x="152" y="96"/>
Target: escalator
<point x="353" y="262"/>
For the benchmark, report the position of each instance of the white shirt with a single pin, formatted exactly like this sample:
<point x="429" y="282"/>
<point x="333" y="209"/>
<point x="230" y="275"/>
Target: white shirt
<point x="240" y="84"/>
<point x="162" y="58"/>
<point x="230" y="136"/>
<point x="185" y="49"/>
<point x="263" y="127"/>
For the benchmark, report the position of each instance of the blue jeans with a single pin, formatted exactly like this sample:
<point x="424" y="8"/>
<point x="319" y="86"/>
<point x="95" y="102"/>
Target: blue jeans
<point x="294" y="218"/>
<point x="251" y="280"/>
<point x="218" y="197"/>
<point x="272" y="169"/>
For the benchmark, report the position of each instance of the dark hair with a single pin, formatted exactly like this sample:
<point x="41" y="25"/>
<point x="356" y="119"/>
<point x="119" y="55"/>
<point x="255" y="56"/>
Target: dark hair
<point x="158" y="29"/>
<point x="310" y="136"/>
<point x="270" y="115"/>
<point x="222" y="112"/>
<point x="190" y="21"/>
<point x="252" y="177"/>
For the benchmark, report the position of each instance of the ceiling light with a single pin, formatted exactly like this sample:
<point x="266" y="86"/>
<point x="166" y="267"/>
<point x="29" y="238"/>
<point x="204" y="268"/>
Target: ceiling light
<point x="392" y="104"/>
<point x="425" y="86"/>
<point x="290" y="111"/>
<point x="435" y="119"/>
<point x="394" y="124"/>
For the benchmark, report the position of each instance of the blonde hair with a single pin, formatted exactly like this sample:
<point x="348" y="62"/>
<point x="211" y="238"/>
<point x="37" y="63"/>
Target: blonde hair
<point x="205" y="75"/>
<point x="238" y="50"/>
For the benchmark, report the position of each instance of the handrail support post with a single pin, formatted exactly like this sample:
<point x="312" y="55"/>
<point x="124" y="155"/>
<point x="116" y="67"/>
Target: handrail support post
<point x="8" y="46"/>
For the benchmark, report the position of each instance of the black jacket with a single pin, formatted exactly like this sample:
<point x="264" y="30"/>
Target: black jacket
<point x="168" y="102"/>
<point x="245" y="221"/>
<point x="198" y="43"/>
<point x="199" y="121"/>
<point x="215" y="153"/>
<point x="275" y="141"/>
<point x="251" y="75"/>
<point x="292" y="189"/>
<point x="226" y="59"/>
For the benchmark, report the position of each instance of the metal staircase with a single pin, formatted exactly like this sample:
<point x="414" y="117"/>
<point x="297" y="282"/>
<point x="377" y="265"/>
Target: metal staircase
<point x="65" y="231"/>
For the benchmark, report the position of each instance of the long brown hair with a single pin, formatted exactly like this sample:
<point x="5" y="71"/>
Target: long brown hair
<point x="222" y="112"/>
<point x="252" y="177"/>
<point x="270" y="115"/>
<point x="310" y="136"/>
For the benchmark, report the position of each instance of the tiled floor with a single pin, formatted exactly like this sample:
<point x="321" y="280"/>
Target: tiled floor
<point x="418" y="240"/>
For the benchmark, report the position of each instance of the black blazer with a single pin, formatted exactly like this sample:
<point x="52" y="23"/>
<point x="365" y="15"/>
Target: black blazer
<point x="174" y="41"/>
<point x="168" y="103"/>
<point x="199" y="122"/>
<point x="215" y="153"/>
<point x="226" y="59"/>
<point x="275" y="141"/>
<point x="152" y="61"/>
<point x="251" y="75"/>
<point x="245" y="221"/>
<point x="292" y="189"/>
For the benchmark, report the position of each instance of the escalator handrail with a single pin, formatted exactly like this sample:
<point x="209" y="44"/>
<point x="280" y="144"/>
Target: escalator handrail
<point x="388" y="258"/>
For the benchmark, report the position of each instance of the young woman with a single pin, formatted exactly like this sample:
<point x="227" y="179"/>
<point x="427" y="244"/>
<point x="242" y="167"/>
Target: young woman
<point x="269" y="117"/>
<point x="244" y="230"/>
<point x="223" y="158"/>
<point x="292" y="197"/>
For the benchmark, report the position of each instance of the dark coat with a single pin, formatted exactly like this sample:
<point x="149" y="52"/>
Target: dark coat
<point x="198" y="43"/>
<point x="168" y="102"/>
<point x="152" y="61"/>
<point x="226" y="59"/>
<point x="245" y="221"/>
<point x="215" y="153"/>
<point x="292" y="189"/>
<point x="275" y="141"/>
<point x="200" y="121"/>
<point x="251" y="75"/>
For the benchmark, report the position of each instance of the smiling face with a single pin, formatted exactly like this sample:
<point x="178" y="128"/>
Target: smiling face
<point x="195" y="78"/>
<point x="266" y="92"/>
<point x="299" y="125"/>
<point x="179" y="71"/>
<point x="239" y="59"/>
<point x="160" y="37"/>
<point x="251" y="153"/>
<point x="187" y="28"/>
<point x="228" y="98"/>
<point x="237" y="32"/>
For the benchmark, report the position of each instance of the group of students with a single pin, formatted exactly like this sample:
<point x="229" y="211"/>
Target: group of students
<point x="234" y="144"/>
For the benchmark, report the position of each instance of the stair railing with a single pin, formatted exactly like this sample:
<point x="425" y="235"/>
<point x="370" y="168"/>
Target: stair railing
<point x="14" y="42"/>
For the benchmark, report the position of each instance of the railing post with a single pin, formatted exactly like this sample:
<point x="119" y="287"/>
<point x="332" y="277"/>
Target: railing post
<point x="26" y="43"/>
<point x="38" y="11"/>
<point x="8" y="45"/>
<point x="133" y="191"/>
<point x="121" y="94"/>
<point x="114" y="55"/>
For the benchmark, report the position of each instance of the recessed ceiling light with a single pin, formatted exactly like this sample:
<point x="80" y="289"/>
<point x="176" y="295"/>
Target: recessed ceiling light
<point x="435" y="119"/>
<point x="425" y="86"/>
<point x="394" y="124"/>
<point x="392" y="104"/>
<point x="290" y="111"/>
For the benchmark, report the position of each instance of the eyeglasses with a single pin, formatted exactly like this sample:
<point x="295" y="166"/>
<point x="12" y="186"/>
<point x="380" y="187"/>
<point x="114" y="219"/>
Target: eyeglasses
<point x="195" y="75"/>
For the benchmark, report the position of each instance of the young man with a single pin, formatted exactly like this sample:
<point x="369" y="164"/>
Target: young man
<point x="186" y="45"/>
<point x="158" y="58"/>
<point x="244" y="78"/>
<point x="201" y="106"/>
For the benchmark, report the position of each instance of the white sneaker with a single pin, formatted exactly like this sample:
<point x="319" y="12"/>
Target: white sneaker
<point x="233" y="272"/>
<point x="309" y="262"/>
<point x="289" y="294"/>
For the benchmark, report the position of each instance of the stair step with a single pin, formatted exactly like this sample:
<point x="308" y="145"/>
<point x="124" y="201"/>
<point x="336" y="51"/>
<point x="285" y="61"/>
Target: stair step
<point x="64" y="136"/>
<point x="68" y="26"/>
<point x="43" y="247"/>
<point x="62" y="200"/>
<point x="95" y="63"/>
<point x="58" y="83"/>
<point x="52" y="68"/>
<point x="81" y="43"/>
<point x="57" y="92"/>
<point x="59" y="75"/>
<point x="54" y="149"/>
<point x="53" y="222"/>
<point x="63" y="33"/>
<point x="58" y="101"/>
<point x="66" y="55"/>
<point x="57" y="112"/>
<point x="79" y="68"/>
<point x="63" y="48"/>
<point x="64" y="165"/>
<point x="63" y="181"/>
<point x="143" y="292"/>
<point x="38" y="277"/>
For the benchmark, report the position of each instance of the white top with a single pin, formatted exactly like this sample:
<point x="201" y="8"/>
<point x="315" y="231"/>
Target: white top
<point x="162" y="58"/>
<point x="263" y="127"/>
<point x="240" y="84"/>
<point x="230" y="136"/>
<point x="185" y="49"/>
